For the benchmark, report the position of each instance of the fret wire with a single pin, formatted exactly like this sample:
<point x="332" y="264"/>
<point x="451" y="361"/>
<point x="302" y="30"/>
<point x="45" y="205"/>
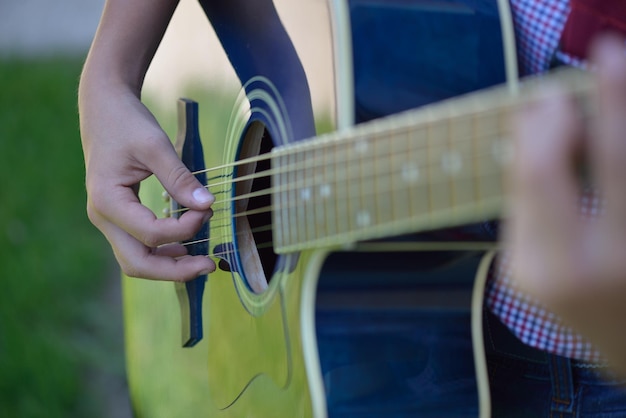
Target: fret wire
<point x="448" y="140"/>
<point x="389" y="179"/>
<point x="320" y="215"/>
<point x="312" y="167"/>
<point x="285" y="218"/>
<point x="293" y="187"/>
<point x="337" y="159"/>
<point x="327" y="191"/>
<point x="349" y="220"/>
<point x="350" y="205"/>
<point x="408" y="171"/>
<point x="343" y="190"/>
<point x="291" y="216"/>
<point x="391" y="162"/>
<point x="303" y="210"/>
<point x="432" y="150"/>
<point x="378" y="208"/>
<point x="397" y="187"/>
<point x="446" y="162"/>
<point x="314" y="225"/>
<point x="297" y="194"/>
<point x="309" y="212"/>
<point x="327" y="186"/>
<point x="297" y="226"/>
<point x="312" y="162"/>
<point x="358" y="214"/>
<point x="298" y="208"/>
<point x="336" y="187"/>
<point x="462" y="184"/>
<point x="332" y="191"/>
<point x="428" y="169"/>
<point x="495" y="173"/>
<point x="414" y="216"/>
<point x="395" y="154"/>
<point x="312" y="218"/>
<point x="387" y="158"/>
<point x="364" y="210"/>
<point x="279" y="213"/>
<point x="226" y="190"/>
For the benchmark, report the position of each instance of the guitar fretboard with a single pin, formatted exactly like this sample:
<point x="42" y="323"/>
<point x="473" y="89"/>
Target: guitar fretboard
<point x="438" y="166"/>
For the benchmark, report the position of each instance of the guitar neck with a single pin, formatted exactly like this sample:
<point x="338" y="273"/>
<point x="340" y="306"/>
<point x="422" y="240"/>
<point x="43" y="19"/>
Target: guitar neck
<point x="438" y="166"/>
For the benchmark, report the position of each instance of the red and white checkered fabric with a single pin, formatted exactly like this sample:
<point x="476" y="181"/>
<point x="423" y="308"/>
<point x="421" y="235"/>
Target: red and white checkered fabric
<point x="538" y="25"/>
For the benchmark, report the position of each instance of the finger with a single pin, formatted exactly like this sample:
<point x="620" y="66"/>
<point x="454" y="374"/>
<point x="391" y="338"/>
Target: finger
<point x="122" y="207"/>
<point x="548" y="139"/>
<point x="163" y="263"/>
<point x="543" y="214"/>
<point x="178" y="180"/>
<point x="608" y="151"/>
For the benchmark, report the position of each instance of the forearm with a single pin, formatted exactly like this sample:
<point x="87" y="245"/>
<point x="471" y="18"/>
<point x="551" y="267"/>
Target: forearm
<point x="124" y="45"/>
<point x="123" y="145"/>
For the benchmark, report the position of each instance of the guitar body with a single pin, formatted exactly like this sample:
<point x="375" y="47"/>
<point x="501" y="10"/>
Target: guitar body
<point x="375" y="328"/>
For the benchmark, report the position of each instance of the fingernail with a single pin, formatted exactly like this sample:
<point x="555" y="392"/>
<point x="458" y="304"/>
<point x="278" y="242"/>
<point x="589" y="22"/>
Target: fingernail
<point x="206" y="271"/>
<point x="202" y="195"/>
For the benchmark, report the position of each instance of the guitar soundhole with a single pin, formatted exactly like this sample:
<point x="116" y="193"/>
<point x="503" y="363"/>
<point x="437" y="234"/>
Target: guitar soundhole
<point x="253" y="223"/>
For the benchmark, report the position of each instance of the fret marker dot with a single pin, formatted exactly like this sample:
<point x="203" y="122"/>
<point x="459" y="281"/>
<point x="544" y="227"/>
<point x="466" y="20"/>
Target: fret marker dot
<point x="305" y="194"/>
<point x="324" y="190"/>
<point x="410" y="173"/>
<point x="363" y="218"/>
<point x="451" y="163"/>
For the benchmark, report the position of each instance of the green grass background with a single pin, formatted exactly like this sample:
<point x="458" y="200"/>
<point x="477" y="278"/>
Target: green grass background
<point x="59" y="326"/>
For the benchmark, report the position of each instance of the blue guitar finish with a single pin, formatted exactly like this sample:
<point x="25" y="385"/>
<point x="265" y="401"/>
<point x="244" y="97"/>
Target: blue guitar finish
<point x="408" y="54"/>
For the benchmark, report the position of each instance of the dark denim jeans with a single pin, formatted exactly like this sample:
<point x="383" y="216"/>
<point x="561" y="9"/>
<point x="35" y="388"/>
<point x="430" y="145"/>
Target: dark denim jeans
<point x="526" y="382"/>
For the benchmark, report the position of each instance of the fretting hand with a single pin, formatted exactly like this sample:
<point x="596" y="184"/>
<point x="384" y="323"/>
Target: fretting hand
<point x="576" y="267"/>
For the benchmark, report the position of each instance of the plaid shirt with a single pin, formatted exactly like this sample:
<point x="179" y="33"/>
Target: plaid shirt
<point x="538" y="26"/>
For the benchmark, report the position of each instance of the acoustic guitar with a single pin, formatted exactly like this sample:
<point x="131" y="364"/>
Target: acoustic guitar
<point x="351" y="263"/>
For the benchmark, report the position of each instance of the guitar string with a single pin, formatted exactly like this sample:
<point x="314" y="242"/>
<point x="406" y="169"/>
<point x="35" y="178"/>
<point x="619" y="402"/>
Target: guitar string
<point x="347" y="174"/>
<point x="334" y="140"/>
<point x="266" y="209"/>
<point x="437" y="114"/>
<point x="393" y="190"/>
<point x="342" y="156"/>
<point x="342" y="149"/>
<point x="298" y="183"/>
<point x="346" y="143"/>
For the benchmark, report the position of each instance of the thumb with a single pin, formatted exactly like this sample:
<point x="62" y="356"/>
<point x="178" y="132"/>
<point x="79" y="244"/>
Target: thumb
<point x="179" y="182"/>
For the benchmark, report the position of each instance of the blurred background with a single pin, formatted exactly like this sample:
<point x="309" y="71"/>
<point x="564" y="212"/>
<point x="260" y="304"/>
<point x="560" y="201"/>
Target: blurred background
<point x="61" y="338"/>
<point x="61" y="326"/>
<point x="61" y="332"/>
